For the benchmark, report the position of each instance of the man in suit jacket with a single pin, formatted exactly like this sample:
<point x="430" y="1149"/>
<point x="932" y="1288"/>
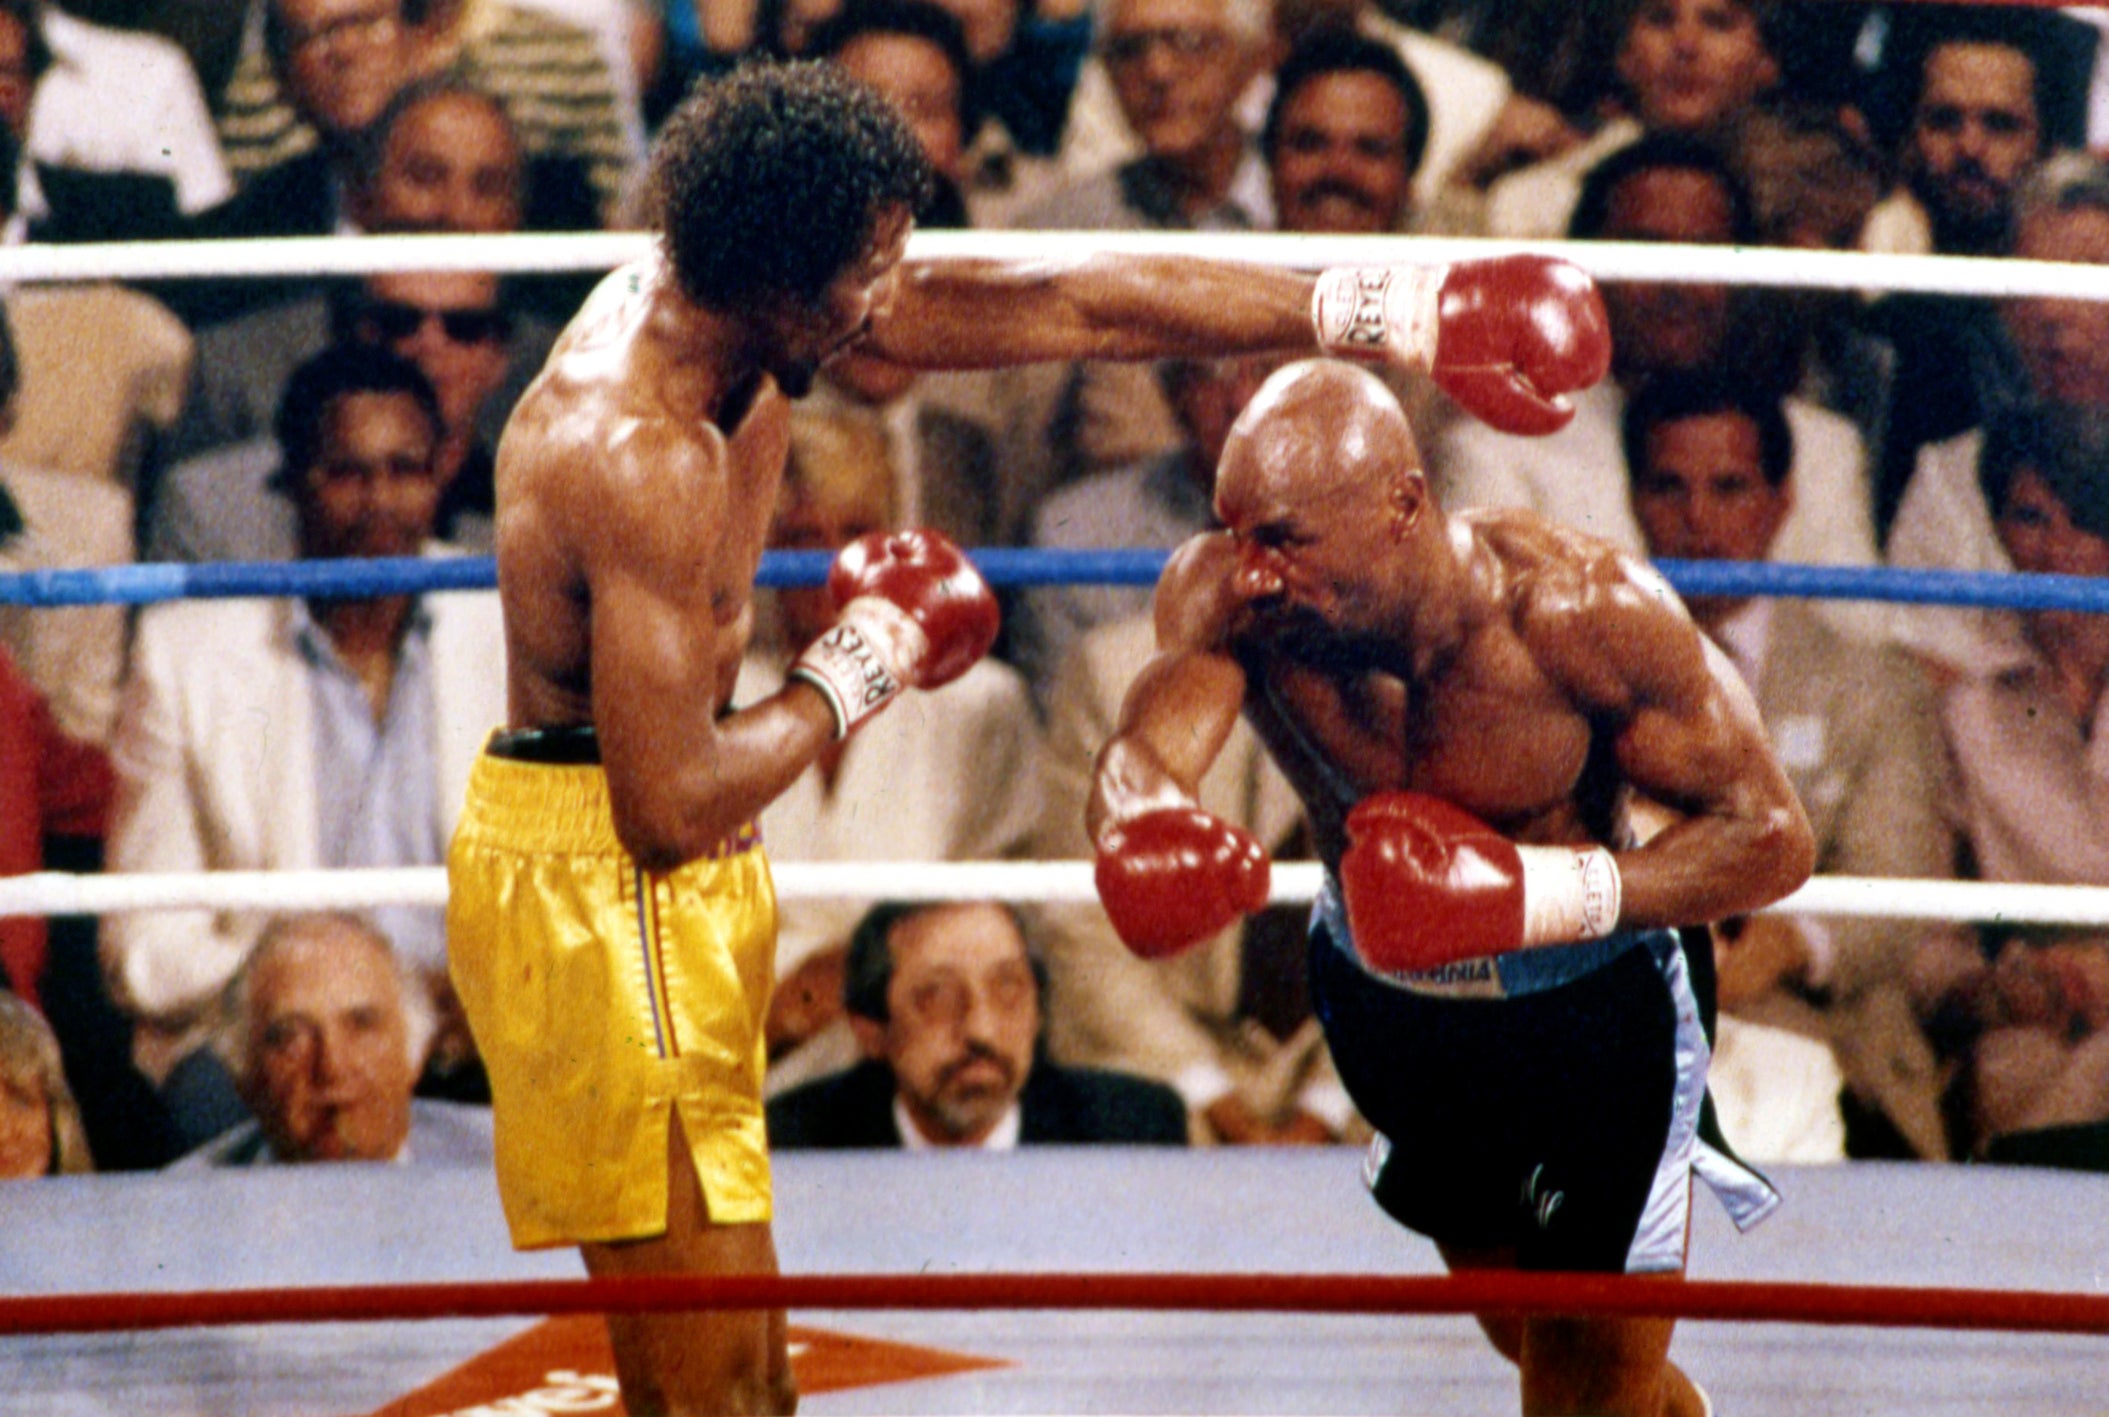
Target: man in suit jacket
<point x="946" y="1002"/>
<point x="289" y="734"/>
<point x="1854" y="727"/>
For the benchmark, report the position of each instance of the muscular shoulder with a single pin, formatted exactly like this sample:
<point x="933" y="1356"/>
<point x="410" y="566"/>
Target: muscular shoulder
<point x="1598" y="621"/>
<point x="592" y="455"/>
<point x="1194" y="602"/>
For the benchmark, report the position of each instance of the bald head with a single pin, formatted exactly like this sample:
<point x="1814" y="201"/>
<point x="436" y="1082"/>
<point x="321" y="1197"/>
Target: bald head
<point x="1314" y="429"/>
<point x="1322" y="493"/>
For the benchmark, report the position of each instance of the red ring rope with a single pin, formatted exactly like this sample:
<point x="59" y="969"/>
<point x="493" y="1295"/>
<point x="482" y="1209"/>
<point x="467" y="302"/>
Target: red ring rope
<point x="1494" y="1291"/>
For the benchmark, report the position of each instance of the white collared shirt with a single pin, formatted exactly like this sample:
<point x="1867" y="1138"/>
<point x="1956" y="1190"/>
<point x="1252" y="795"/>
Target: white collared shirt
<point x="1003" y="1138"/>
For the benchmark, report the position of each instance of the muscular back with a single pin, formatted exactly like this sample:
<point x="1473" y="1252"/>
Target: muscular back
<point x="629" y="524"/>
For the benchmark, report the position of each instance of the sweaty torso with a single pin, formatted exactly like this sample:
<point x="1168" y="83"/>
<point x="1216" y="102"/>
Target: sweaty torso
<point x="1483" y="724"/>
<point x="614" y="457"/>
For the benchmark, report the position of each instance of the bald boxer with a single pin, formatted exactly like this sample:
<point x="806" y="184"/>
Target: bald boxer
<point x="1468" y="707"/>
<point x="611" y="925"/>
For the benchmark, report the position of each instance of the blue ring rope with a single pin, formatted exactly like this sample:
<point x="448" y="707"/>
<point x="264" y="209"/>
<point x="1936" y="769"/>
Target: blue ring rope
<point x="1003" y="566"/>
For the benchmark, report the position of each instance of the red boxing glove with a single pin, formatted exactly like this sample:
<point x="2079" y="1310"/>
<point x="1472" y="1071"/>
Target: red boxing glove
<point x="1426" y="884"/>
<point x="1508" y="338"/>
<point x="1172" y="877"/>
<point x="915" y="614"/>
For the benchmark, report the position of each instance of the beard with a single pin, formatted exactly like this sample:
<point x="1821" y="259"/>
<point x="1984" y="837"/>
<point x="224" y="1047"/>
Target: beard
<point x="960" y="1110"/>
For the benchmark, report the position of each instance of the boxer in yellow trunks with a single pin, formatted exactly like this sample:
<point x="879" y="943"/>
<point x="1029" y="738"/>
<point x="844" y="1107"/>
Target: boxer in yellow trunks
<point x="617" y="997"/>
<point x="636" y="484"/>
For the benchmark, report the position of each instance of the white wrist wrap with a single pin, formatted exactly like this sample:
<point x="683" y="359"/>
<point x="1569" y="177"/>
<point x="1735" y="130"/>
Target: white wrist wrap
<point x="1378" y="311"/>
<point x="1568" y="895"/>
<point x="861" y="664"/>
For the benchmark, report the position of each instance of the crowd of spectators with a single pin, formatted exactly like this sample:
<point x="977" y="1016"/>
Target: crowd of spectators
<point x="295" y="418"/>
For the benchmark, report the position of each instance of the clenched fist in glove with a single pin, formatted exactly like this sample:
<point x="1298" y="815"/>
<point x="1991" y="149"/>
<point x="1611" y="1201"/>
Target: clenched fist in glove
<point x="1426" y="884"/>
<point x="1172" y="877"/>
<point x="914" y="614"/>
<point x="1508" y="338"/>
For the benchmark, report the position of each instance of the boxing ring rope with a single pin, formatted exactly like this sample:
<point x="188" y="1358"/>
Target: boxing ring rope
<point x="1497" y="1292"/>
<point x="1001" y="566"/>
<point x="1503" y="1292"/>
<point x="61" y="893"/>
<point x="1044" y="882"/>
<point x="318" y="256"/>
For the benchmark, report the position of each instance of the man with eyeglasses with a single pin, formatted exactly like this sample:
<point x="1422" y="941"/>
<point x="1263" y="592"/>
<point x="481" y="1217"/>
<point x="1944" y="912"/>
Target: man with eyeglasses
<point x="338" y="63"/>
<point x="325" y="70"/>
<point x="458" y="329"/>
<point x="948" y="1003"/>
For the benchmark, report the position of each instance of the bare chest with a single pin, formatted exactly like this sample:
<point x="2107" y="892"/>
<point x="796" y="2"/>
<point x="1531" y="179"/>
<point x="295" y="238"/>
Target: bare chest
<point x="1510" y="752"/>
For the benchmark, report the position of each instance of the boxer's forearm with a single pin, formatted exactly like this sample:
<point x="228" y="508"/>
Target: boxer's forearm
<point x="980" y="314"/>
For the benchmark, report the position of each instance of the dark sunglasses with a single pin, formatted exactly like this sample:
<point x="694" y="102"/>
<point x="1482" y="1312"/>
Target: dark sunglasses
<point x="393" y="320"/>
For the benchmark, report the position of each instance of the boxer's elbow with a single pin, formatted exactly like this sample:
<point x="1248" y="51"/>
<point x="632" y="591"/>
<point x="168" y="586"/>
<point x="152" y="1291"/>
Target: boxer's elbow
<point x="1786" y="846"/>
<point x="661" y="833"/>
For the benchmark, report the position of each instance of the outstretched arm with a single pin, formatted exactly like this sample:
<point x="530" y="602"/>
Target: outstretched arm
<point x="979" y="314"/>
<point x="1508" y="338"/>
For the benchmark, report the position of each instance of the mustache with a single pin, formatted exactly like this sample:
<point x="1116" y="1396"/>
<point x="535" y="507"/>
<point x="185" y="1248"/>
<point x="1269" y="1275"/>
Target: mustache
<point x="976" y="1053"/>
<point x="1346" y="191"/>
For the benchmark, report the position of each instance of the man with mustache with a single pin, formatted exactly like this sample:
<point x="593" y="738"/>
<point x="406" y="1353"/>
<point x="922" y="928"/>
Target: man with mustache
<point x="946" y="1001"/>
<point x="1344" y="136"/>
<point x="1977" y="127"/>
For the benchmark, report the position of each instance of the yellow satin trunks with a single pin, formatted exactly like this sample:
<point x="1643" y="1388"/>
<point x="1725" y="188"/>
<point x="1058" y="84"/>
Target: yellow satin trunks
<point x="602" y="997"/>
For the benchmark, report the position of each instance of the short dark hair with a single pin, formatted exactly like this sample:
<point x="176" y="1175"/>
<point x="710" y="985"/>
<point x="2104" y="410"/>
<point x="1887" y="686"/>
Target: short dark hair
<point x="1677" y="152"/>
<point x="2068" y="447"/>
<point x="769" y="182"/>
<point x="869" y="968"/>
<point x="1675" y="395"/>
<point x="371" y="146"/>
<point x="1924" y="35"/>
<point x="344" y="368"/>
<point x="916" y="19"/>
<point x="1332" y="50"/>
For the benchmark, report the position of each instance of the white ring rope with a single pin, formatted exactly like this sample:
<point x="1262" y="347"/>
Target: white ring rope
<point x="599" y="251"/>
<point x="1057" y="882"/>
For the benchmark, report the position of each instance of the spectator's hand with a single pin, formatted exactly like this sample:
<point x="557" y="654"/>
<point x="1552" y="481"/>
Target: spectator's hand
<point x="807" y="1000"/>
<point x="1756" y="955"/>
<point x="2023" y="990"/>
<point x="2063" y="987"/>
